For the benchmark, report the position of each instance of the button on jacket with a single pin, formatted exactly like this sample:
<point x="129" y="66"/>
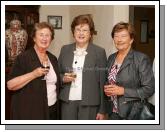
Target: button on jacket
<point x="93" y="74"/>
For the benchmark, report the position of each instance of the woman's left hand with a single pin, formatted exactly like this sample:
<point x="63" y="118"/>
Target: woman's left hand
<point x="100" y="116"/>
<point x="113" y="89"/>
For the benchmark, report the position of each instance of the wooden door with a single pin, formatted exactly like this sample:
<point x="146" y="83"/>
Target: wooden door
<point x="144" y="23"/>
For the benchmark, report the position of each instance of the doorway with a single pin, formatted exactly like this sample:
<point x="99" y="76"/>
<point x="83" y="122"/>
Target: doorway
<point x="143" y="19"/>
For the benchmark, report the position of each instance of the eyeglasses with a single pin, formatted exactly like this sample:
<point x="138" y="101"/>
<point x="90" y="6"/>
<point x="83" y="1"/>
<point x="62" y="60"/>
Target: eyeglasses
<point x="85" y="31"/>
<point x="44" y="35"/>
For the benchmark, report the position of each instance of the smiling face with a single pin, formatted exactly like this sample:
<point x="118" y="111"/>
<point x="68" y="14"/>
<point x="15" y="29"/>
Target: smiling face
<point x="122" y="40"/>
<point x="82" y="34"/>
<point x="43" y="38"/>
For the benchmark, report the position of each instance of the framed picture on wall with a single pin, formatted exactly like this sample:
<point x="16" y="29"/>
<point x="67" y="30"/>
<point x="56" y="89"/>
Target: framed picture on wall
<point x="56" y="21"/>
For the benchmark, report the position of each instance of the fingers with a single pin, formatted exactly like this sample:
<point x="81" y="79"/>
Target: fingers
<point x="110" y="86"/>
<point x="111" y="90"/>
<point x="100" y="116"/>
<point x="109" y="93"/>
<point x="67" y="79"/>
<point x="45" y="71"/>
<point x="40" y="72"/>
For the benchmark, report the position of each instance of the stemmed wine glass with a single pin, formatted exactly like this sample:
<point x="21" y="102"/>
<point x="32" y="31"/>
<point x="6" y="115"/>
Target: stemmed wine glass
<point x="46" y="66"/>
<point x="74" y="75"/>
<point x="110" y="97"/>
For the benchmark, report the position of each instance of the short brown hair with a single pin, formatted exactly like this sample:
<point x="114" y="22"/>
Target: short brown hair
<point x="121" y="26"/>
<point x="84" y="19"/>
<point x="42" y="25"/>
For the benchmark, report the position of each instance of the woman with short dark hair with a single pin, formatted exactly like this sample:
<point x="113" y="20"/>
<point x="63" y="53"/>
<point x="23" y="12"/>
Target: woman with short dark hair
<point x="82" y="67"/>
<point x="129" y="71"/>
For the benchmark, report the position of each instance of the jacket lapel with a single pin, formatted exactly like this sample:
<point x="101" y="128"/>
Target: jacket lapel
<point x="111" y="62"/>
<point x="89" y="56"/>
<point x="69" y="61"/>
<point x="34" y="58"/>
<point x="127" y="60"/>
<point x="52" y="61"/>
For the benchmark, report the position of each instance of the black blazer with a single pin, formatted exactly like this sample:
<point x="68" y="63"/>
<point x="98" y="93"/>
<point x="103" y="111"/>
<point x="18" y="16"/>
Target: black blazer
<point x="135" y="73"/>
<point x="93" y="74"/>
<point x="30" y="102"/>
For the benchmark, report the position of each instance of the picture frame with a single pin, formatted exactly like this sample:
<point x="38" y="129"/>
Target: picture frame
<point x="56" y="21"/>
<point x="144" y="31"/>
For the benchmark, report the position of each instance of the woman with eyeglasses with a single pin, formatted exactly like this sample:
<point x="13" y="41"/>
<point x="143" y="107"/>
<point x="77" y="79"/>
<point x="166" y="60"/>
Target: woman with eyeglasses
<point x="82" y="68"/>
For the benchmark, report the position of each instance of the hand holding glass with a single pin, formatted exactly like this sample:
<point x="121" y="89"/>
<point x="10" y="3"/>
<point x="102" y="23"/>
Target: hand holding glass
<point x="106" y="90"/>
<point x="73" y="75"/>
<point x="46" y="66"/>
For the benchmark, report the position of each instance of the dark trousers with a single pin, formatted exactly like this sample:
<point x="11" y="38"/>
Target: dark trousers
<point x="115" y="116"/>
<point x="74" y="110"/>
<point x="53" y="112"/>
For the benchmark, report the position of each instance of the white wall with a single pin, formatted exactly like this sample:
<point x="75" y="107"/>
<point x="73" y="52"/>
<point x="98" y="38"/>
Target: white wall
<point x="104" y="16"/>
<point x="62" y="36"/>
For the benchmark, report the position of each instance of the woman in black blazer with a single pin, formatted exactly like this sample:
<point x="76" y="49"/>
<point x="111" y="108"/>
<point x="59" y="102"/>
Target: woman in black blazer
<point x="128" y="72"/>
<point x="33" y="97"/>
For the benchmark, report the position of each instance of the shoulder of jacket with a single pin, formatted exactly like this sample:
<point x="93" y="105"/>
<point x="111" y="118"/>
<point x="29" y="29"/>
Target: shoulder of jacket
<point x="98" y="48"/>
<point x="111" y="55"/>
<point x="26" y="52"/>
<point x="50" y="54"/>
<point x="25" y="55"/>
<point x="67" y="46"/>
<point x="139" y="55"/>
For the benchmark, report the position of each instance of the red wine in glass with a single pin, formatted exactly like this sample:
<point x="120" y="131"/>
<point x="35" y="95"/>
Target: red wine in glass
<point x="46" y="66"/>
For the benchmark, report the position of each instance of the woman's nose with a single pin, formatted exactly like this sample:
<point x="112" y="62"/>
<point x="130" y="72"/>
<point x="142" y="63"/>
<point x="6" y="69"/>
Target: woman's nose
<point x="119" y="39"/>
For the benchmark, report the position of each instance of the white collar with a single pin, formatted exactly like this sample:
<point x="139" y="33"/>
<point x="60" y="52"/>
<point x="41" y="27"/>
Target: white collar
<point x="80" y="52"/>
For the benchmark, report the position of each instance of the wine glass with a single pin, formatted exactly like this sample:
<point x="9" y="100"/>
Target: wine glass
<point x="73" y="75"/>
<point x="110" y="97"/>
<point x="46" y="66"/>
